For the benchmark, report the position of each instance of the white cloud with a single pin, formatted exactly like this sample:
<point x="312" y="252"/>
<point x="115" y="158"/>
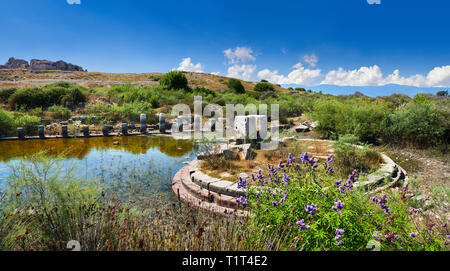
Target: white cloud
<point x="239" y="54"/>
<point x="311" y="60"/>
<point x="241" y="71"/>
<point x="188" y="66"/>
<point x="372" y="76"/>
<point x="439" y="76"/>
<point x="215" y="73"/>
<point x="76" y="2"/>
<point x="300" y="75"/>
<point x="364" y="76"/>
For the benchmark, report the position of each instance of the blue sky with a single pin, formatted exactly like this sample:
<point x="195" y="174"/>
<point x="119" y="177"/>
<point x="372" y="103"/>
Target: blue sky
<point x="307" y="43"/>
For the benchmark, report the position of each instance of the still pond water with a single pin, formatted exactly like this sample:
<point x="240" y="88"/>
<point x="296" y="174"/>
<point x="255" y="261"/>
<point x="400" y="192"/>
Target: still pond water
<point x="147" y="158"/>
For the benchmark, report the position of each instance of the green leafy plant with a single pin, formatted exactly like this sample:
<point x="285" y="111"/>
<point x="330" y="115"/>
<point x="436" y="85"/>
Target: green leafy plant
<point x="235" y="85"/>
<point x="264" y="86"/>
<point x="174" y="80"/>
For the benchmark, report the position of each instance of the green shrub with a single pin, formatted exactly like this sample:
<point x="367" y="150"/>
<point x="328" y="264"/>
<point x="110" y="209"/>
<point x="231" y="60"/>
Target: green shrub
<point x="126" y="113"/>
<point x="5" y="93"/>
<point x="9" y="122"/>
<point x="419" y="124"/>
<point x="174" y="80"/>
<point x="264" y="86"/>
<point x="28" y="123"/>
<point x="348" y="157"/>
<point x="357" y="116"/>
<point x="6" y="122"/>
<point x="59" y="112"/>
<point x="397" y="100"/>
<point x="235" y="85"/>
<point x="54" y="94"/>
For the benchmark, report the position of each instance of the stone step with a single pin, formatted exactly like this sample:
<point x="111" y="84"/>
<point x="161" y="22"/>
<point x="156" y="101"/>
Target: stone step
<point x="208" y="195"/>
<point x="183" y="194"/>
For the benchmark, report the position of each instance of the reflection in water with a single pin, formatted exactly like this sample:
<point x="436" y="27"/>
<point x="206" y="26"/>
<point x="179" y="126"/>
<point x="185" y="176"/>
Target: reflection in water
<point x="80" y="147"/>
<point x="133" y="167"/>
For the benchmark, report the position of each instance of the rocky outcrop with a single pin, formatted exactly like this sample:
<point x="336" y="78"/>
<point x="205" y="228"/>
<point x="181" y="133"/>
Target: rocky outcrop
<point x="40" y="65"/>
<point x="45" y="65"/>
<point x="15" y="64"/>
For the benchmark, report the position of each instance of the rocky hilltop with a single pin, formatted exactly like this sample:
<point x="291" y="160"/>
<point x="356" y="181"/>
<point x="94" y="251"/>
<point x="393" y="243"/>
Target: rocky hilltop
<point x="40" y="65"/>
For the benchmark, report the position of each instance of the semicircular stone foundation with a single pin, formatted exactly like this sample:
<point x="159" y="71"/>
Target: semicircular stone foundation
<point x="193" y="186"/>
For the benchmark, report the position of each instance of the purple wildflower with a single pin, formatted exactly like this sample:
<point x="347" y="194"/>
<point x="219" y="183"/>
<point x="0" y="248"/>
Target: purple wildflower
<point x="242" y="183"/>
<point x="338" y="206"/>
<point x="310" y="209"/>
<point x="338" y="236"/>
<point x="242" y="201"/>
<point x="330" y="158"/>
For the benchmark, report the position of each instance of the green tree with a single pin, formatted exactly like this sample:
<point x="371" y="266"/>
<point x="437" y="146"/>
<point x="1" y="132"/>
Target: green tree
<point x="263" y="86"/>
<point x="236" y="85"/>
<point x="174" y="80"/>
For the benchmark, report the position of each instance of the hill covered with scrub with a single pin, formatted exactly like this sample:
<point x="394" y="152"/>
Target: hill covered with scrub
<point x="422" y="121"/>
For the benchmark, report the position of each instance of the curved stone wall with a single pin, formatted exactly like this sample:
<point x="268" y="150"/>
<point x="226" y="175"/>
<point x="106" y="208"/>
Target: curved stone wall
<point x="213" y="194"/>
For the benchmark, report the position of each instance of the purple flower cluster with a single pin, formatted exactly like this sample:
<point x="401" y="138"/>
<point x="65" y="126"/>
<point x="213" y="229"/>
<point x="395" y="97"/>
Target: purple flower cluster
<point x="330" y="158"/>
<point x="311" y="161"/>
<point x="310" y="209"/>
<point x="338" y="206"/>
<point x="242" y="183"/>
<point x="302" y="225"/>
<point x="339" y="233"/>
<point x="242" y="201"/>
<point x="286" y="179"/>
<point x="327" y="165"/>
<point x="290" y="159"/>
<point x="283" y="199"/>
<point x="382" y="202"/>
<point x="354" y="176"/>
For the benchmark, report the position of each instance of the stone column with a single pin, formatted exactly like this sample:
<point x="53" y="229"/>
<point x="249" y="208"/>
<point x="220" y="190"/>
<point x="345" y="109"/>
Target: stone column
<point x="132" y="125"/>
<point x="105" y="130"/>
<point x="143" y="120"/>
<point x="162" y="123"/>
<point x="20" y="133"/>
<point x="64" y="131"/>
<point x="124" y="129"/>
<point x="86" y="130"/>
<point x="41" y="131"/>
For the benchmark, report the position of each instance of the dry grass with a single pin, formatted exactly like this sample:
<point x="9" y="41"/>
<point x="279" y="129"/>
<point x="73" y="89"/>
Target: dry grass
<point x="264" y="157"/>
<point x="24" y="78"/>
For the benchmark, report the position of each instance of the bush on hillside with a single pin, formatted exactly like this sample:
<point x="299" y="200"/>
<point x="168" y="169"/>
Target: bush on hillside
<point x="235" y="85"/>
<point x="358" y="116"/>
<point x="264" y="86"/>
<point x="174" y="80"/>
<point x="54" y="94"/>
<point x="419" y="124"/>
<point x="5" y="93"/>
